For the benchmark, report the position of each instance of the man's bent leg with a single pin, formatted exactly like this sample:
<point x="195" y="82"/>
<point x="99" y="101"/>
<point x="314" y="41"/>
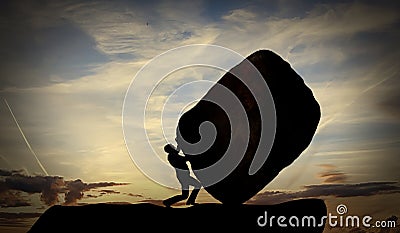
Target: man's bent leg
<point x="192" y="198"/>
<point x="196" y="184"/>
<point x="172" y="200"/>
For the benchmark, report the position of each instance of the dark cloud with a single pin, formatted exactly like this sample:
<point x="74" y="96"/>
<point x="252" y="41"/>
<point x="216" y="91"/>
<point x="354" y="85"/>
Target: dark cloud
<point x="77" y="188"/>
<point x="9" y="173"/>
<point x="48" y="186"/>
<point x="13" y="184"/>
<point x="333" y="177"/>
<point x="326" y="190"/>
<point x="352" y="190"/>
<point x="91" y="196"/>
<point x="8" y="215"/>
<point x="134" y="195"/>
<point x="75" y="191"/>
<point x="331" y="174"/>
<point x="16" y="219"/>
<point x="5" y="173"/>
<point x="107" y="191"/>
<point x="12" y="198"/>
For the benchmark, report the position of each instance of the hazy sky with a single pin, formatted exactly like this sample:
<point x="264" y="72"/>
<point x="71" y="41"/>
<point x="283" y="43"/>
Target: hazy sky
<point x="66" y="67"/>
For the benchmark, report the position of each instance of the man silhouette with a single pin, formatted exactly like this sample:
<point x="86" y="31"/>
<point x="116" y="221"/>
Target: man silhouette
<point x="184" y="178"/>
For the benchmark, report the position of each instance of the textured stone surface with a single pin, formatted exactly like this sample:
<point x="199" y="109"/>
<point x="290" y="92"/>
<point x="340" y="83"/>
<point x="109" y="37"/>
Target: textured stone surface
<point x="297" y="118"/>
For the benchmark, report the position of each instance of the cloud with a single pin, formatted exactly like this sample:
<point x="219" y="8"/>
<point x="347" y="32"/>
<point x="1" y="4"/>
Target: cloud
<point x="352" y="190"/>
<point x="13" y="185"/>
<point x="17" y="219"/>
<point x="240" y="16"/>
<point x="138" y="30"/>
<point x="91" y="196"/>
<point x="47" y="186"/>
<point x="318" y="33"/>
<point x="75" y="191"/>
<point x="134" y="195"/>
<point x="77" y="188"/>
<point x="331" y="175"/>
<point x="8" y="215"/>
<point x="107" y="191"/>
<point x="5" y="173"/>
<point x="41" y="48"/>
<point x="11" y="198"/>
<point x="326" y="190"/>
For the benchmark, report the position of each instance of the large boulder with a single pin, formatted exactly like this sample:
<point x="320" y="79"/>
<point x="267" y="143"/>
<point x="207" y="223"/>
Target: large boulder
<point x="297" y="117"/>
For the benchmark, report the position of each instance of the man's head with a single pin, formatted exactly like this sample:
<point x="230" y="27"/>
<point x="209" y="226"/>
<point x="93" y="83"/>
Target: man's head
<point x="169" y="148"/>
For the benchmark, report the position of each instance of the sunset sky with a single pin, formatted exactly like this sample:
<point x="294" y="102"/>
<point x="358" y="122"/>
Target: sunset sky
<point x="66" y="66"/>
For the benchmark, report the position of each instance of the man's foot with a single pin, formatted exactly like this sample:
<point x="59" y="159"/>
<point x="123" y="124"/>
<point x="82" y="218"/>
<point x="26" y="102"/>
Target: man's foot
<point x="191" y="203"/>
<point x="166" y="204"/>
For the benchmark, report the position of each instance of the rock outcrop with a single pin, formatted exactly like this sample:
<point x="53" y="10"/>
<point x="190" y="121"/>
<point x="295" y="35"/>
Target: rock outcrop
<point x="147" y="217"/>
